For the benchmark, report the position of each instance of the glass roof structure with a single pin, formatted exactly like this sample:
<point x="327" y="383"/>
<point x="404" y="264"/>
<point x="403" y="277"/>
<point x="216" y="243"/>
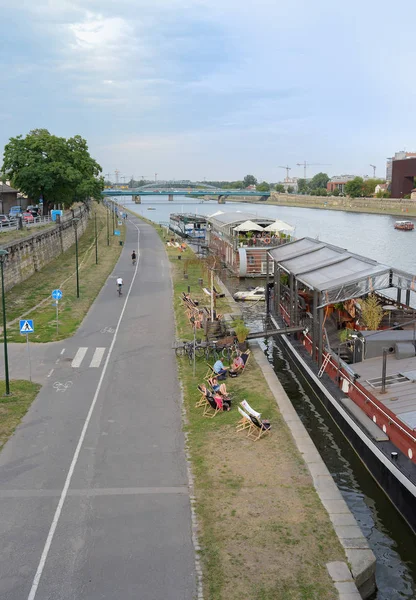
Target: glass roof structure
<point x="335" y="273"/>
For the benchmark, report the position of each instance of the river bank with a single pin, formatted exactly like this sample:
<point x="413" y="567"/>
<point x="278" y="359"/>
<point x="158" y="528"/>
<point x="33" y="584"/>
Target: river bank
<point x="263" y="530"/>
<point x="380" y="206"/>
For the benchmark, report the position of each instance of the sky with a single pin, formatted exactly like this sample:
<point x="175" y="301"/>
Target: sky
<point x="215" y="89"/>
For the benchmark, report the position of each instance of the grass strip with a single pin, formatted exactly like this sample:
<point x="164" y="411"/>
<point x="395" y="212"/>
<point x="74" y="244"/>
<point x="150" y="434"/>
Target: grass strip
<point x="264" y="532"/>
<point x="32" y="298"/>
<point x="14" y="407"/>
<point x="9" y="236"/>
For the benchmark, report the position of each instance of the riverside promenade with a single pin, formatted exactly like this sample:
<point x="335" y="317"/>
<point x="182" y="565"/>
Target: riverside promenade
<point x="94" y="499"/>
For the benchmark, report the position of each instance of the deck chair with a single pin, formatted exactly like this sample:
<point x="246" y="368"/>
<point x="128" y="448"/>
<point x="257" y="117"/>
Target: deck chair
<point x="211" y="408"/>
<point x="246" y="406"/>
<point x="218" y="294"/>
<point x="245" y="356"/>
<point x="258" y="429"/>
<point x="244" y="422"/>
<point x="203" y="401"/>
<point x="210" y="373"/>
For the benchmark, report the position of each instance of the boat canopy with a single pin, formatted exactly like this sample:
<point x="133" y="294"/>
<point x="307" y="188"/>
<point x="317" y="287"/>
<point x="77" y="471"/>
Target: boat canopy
<point x="336" y="274"/>
<point x="249" y="226"/>
<point x="279" y="225"/>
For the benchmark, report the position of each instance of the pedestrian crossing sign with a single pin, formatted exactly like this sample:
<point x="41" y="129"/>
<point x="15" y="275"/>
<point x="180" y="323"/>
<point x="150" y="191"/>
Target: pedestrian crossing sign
<point x="26" y="326"/>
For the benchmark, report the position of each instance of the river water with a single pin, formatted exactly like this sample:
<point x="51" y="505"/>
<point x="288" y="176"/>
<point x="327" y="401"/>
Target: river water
<point x="370" y="235"/>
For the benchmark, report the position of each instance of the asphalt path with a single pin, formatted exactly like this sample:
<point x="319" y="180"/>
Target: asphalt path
<point x="94" y="500"/>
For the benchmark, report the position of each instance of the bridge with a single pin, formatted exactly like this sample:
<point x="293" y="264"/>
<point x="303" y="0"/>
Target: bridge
<point x="153" y="190"/>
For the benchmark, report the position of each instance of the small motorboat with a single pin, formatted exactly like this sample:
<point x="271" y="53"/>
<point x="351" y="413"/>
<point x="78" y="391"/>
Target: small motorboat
<point x="257" y="293"/>
<point x="404" y="225"/>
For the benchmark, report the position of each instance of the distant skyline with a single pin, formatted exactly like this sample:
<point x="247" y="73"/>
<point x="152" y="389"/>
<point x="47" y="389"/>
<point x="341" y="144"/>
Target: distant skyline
<point x="214" y="89"/>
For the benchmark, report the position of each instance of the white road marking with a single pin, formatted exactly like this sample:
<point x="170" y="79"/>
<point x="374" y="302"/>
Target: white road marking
<point x="64" y="493"/>
<point x="50" y="372"/>
<point x="57" y="361"/>
<point x="62" y="387"/>
<point x="63" y="350"/>
<point x="97" y="358"/>
<point x="79" y="357"/>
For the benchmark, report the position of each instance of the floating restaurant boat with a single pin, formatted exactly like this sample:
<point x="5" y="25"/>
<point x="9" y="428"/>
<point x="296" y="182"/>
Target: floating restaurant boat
<point x="188" y="225"/>
<point x="367" y="382"/>
<point x="404" y="225"/>
<point x="257" y="293"/>
<point x="241" y="240"/>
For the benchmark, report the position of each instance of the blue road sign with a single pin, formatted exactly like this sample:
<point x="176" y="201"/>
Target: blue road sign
<point x="57" y="294"/>
<point x="26" y="326"/>
<point x="116" y="232"/>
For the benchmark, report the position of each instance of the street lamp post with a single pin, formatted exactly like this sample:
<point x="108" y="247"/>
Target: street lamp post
<point x="75" y="222"/>
<point x="96" y="239"/>
<point x="108" y="226"/>
<point x="3" y="254"/>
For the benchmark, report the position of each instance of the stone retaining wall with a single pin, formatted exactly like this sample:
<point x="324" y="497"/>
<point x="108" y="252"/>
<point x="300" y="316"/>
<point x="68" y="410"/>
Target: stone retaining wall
<point x="31" y="254"/>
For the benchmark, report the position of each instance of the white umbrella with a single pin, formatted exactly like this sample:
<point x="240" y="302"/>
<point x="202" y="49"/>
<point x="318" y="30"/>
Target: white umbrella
<point x="249" y="226"/>
<point x="279" y="225"/>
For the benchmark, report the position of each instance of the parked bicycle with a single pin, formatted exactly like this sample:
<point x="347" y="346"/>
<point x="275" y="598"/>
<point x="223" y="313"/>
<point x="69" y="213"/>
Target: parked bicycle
<point x="191" y="350"/>
<point x="230" y="351"/>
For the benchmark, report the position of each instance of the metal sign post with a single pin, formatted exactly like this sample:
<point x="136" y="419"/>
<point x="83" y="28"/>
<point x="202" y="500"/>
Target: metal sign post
<point x="57" y="295"/>
<point x="27" y="326"/>
<point x="28" y="357"/>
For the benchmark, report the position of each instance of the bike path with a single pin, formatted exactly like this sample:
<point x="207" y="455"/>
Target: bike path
<point x="124" y="528"/>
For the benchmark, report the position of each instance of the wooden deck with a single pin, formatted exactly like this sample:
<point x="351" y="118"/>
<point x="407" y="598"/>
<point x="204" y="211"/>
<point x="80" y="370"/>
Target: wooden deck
<point x="400" y="396"/>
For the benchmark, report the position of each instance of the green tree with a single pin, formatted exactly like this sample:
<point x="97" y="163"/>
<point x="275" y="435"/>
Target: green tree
<point x="318" y="181"/>
<point x="237" y="185"/>
<point x="279" y="187"/>
<point x="302" y="186"/>
<point x="354" y="188"/>
<point x="290" y="189"/>
<point x="335" y="192"/>
<point x="383" y="194"/>
<point x="56" y="169"/>
<point x="369" y="187"/>
<point x="263" y="187"/>
<point x="249" y="180"/>
<point x="321" y="192"/>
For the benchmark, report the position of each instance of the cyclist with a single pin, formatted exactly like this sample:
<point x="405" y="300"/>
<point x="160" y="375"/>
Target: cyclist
<point x="119" y="285"/>
<point x="133" y="257"/>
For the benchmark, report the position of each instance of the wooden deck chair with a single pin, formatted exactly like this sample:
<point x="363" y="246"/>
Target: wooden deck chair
<point x="245" y="421"/>
<point x="246" y="406"/>
<point x="210" y="373"/>
<point x="245" y="356"/>
<point x="258" y="429"/>
<point x="211" y="408"/>
<point x="203" y="401"/>
<point x="218" y="294"/>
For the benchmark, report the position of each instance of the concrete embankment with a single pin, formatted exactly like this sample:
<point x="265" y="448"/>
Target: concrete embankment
<point x="382" y="206"/>
<point x="29" y="255"/>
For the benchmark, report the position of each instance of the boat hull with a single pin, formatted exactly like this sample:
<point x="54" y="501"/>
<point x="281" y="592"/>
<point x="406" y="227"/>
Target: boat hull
<point x="389" y="478"/>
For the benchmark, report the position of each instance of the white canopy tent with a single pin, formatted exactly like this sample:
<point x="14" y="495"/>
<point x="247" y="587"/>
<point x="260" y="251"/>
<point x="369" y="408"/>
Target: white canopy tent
<point x="249" y="226"/>
<point x="279" y="225"/>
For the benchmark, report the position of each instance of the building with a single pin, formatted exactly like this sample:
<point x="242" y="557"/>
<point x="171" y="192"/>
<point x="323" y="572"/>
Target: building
<point x="381" y="187"/>
<point x="8" y="198"/>
<point x="402" y="155"/>
<point x="241" y="243"/>
<point x="338" y="183"/>
<point x="290" y="182"/>
<point x="403" y="176"/>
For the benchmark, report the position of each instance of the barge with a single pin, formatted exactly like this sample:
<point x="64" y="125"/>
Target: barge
<point x="189" y="226"/>
<point x="241" y="240"/>
<point x="367" y="381"/>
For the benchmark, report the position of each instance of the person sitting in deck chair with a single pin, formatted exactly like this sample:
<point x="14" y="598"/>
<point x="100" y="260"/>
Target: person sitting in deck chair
<point x="220" y="370"/>
<point x="237" y="365"/>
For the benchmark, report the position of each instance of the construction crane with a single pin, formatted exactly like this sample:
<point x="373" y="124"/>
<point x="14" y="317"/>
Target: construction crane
<point x="287" y="170"/>
<point x="306" y="164"/>
<point x="374" y="170"/>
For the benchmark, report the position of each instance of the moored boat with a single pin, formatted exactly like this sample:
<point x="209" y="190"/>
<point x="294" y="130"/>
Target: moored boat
<point x="257" y="293"/>
<point x="365" y="381"/>
<point x="404" y="225"/>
